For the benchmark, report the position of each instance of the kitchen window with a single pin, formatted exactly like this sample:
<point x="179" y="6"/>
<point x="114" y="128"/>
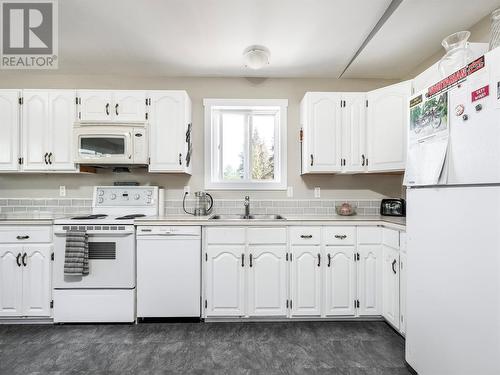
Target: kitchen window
<point x="245" y="144"/>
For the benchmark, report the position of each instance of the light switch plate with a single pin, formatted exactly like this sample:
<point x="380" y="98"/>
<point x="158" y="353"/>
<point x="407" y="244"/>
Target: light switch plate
<point x="289" y="191"/>
<point x="187" y="190"/>
<point x="62" y="191"/>
<point x="317" y="192"/>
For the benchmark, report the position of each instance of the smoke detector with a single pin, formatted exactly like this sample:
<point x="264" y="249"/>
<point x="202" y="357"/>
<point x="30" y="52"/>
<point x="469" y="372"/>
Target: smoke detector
<point x="256" y="57"/>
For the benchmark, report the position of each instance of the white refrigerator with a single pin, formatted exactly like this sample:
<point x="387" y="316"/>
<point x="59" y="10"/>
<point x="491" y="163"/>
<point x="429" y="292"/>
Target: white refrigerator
<point x="453" y="234"/>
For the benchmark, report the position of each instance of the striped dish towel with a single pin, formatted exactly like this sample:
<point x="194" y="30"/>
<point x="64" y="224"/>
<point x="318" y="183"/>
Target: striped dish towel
<point x="76" y="260"/>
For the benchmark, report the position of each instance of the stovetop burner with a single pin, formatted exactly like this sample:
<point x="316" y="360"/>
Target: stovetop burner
<point x="89" y="217"/>
<point x="128" y="217"/>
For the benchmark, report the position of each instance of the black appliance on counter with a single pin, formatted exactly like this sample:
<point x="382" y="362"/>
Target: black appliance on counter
<point x="393" y="207"/>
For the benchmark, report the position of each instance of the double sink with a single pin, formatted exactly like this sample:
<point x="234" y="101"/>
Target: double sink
<point x="247" y="217"/>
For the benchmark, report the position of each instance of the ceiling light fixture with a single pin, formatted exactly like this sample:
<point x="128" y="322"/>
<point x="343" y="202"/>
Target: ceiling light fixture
<point x="256" y="57"/>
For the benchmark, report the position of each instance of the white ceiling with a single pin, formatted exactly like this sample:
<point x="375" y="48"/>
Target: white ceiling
<point x="307" y="38"/>
<point x="414" y="33"/>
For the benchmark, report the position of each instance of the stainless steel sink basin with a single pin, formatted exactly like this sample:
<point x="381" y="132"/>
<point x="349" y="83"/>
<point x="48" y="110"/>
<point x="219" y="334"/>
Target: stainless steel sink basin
<point x="250" y="217"/>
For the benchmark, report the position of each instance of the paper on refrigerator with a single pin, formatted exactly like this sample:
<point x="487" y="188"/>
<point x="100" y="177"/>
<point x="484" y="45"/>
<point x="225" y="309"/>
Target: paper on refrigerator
<point x="428" y="139"/>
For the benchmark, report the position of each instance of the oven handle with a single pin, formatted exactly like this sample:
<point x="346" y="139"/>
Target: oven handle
<point x="99" y="233"/>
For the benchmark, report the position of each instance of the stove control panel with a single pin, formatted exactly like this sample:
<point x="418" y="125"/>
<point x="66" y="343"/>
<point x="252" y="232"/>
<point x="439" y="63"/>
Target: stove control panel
<point x="125" y="196"/>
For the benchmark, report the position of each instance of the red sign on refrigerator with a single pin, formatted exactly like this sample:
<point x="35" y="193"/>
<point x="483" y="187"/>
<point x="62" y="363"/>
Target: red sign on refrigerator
<point x="483" y="92"/>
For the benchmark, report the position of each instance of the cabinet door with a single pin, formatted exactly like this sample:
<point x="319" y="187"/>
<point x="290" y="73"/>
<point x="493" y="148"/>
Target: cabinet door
<point x="370" y="280"/>
<point x="267" y="280"/>
<point x="129" y="106"/>
<point x="95" y="106"/>
<point x="322" y="132"/>
<point x="167" y="135"/>
<point x="340" y="280"/>
<point x="62" y="115"/>
<point x="387" y="127"/>
<point x="354" y="132"/>
<point x="36" y="280"/>
<point x="306" y="280"/>
<point x="225" y="281"/>
<point x="35" y="130"/>
<point x="9" y="127"/>
<point x="11" y="282"/>
<point x="390" y="274"/>
<point x="402" y="292"/>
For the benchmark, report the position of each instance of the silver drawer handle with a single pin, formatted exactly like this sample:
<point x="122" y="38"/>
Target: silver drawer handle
<point x="22" y="237"/>
<point x="306" y="236"/>
<point x="340" y="236"/>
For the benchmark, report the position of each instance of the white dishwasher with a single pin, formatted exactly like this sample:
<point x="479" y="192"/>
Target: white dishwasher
<point x="168" y="271"/>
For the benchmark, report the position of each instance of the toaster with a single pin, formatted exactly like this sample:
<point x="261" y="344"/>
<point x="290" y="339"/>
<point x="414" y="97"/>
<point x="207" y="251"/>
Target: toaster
<point x="393" y="207"/>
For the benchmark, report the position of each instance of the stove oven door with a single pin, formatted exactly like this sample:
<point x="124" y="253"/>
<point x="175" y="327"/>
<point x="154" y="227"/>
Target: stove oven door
<point x="111" y="258"/>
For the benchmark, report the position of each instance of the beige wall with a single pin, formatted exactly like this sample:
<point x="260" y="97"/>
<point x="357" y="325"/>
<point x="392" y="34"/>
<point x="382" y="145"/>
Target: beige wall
<point x="480" y="33"/>
<point x="333" y="186"/>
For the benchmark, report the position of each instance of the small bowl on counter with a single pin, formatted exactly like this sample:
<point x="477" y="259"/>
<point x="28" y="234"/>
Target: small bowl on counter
<point x="345" y="209"/>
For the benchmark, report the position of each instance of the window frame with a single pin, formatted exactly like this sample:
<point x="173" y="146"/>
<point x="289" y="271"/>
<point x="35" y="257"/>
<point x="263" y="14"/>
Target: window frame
<point x="212" y="136"/>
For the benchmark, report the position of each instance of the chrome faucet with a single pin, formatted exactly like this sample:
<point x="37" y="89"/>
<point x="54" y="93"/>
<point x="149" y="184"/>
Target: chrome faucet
<point x="247" y="207"/>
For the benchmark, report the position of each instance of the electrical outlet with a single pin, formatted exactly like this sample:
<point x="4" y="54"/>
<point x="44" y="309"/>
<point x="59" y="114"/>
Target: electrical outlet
<point x="62" y="191"/>
<point x="317" y="192"/>
<point x="187" y="190"/>
<point x="289" y="192"/>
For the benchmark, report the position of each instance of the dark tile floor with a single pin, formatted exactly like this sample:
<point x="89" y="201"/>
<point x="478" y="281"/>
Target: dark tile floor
<point x="211" y="348"/>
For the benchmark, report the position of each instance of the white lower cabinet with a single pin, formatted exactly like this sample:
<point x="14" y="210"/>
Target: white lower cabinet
<point x="225" y="280"/>
<point x="340" y="286"/>
<point x="25" y="280"/>
<point x="267" y="280"/>
<point x="390" y="274"/>
<point x="245" y="278"/>
<point x="11" y="280"/>
<point x="402" y="293"/>
<point x="325" y="272"/>
<point x="305" y="281"/>
<point x="370" y="280"/>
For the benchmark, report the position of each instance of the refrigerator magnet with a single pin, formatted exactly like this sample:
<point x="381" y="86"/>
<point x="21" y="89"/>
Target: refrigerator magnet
<point x="480" y="93"/>
<point x="459" y="110"/>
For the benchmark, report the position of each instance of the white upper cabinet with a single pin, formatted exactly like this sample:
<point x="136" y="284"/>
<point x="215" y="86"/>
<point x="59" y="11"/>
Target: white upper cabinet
<point x="170" y="140"/>
<point x="95" y="105"/>
<point x="225" y="280"/>
<point x="62" y="116"/>
<point x="340" y="281"/>
<point x="267" y="280"/>
<point x="9" y="127"/>
<point x="386" y="127"/>
<point x="353" y="132"/>
<point x="306" y="280"/>
<point x="35" y="130"/>
<point x="320" y="121"/>
<point x="48" y="118"/>
<point x="123" y="106"/>
<point x="129" y="106"/>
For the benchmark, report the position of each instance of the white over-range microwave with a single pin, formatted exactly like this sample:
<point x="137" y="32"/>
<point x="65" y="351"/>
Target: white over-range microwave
<point x="110" y="144"/>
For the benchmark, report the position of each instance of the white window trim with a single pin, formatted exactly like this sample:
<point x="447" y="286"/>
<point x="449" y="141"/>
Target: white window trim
<point x="210" y="153"/>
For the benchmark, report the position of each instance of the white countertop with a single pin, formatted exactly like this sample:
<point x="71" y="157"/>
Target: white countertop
<point x="394" y="222"/>
<point x="47" y="218"/>
<point x="28" y="218"/>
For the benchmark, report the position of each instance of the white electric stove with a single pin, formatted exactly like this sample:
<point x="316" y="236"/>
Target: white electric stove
<point x="107" y="293"/>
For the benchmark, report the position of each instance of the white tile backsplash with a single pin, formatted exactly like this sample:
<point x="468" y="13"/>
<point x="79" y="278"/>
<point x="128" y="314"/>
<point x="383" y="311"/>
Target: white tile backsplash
<point x="291" y="207"/>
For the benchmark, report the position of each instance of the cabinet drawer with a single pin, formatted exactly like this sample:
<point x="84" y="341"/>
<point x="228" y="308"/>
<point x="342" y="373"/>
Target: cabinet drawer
<point x="340" y="235"/>
<point x="32" y="234"/>
<point x="267" y="235"/>
<point x="369" y="235"/>
<point x="226" y="235"/>
<point x="305" y="235"/>
<point x="390" y="237"/>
